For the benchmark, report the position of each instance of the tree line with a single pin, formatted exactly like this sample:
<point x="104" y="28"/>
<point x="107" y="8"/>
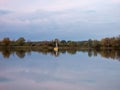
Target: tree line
<point x="105" y="43"/>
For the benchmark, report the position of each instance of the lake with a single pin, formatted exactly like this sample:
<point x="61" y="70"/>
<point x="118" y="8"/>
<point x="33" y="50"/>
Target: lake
<point x="59" y="71"/>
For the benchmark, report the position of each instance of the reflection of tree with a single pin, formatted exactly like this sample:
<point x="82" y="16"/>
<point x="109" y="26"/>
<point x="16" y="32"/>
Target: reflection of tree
<point x="107" y="53"/>
<point x="118" y="55"/>
<point x="71" y="51"/>
<point x="90" y="53"/>
<point x="20" y="54"/>
<point x="95" y="52"/>
<point x="62" y="51"/>
<point x="6" y="53"/>
<point x="44" y="51"/>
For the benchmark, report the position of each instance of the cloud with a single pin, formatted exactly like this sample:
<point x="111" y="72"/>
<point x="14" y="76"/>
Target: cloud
<point x="60" y="11"/>
<point x="116" y="1"/>
<point x="52" y="5"/>
<point x="60" y="17"/>
<point x="4" y="12"/>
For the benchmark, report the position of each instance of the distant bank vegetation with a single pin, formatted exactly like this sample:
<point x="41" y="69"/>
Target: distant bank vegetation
<point x="105" y="43"/>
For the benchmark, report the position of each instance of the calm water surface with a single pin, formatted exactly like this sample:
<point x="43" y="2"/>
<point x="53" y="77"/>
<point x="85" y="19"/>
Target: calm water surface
<point x="66" y="72"/>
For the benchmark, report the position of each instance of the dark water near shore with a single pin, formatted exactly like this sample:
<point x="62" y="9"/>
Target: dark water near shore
<point x="81" y="70"/>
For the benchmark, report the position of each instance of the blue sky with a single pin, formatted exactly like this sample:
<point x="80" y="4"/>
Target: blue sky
<point x="63" y="19"/>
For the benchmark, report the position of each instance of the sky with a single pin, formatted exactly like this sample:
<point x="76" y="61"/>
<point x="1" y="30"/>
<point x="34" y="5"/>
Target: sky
<point x="62" y="19"/>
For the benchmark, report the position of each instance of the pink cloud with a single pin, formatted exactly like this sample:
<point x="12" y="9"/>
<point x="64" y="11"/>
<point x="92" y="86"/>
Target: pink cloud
<point x="4" y="1"/>
<point x="116" y="1"/>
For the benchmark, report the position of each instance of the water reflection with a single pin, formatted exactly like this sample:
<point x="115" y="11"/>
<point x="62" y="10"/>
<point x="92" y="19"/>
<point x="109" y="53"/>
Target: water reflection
<point x="69" y="71"/>
<point x="113" y="54"/>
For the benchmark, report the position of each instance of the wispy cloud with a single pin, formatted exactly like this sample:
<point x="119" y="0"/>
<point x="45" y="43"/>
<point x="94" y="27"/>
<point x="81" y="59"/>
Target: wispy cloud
<point x="4" y="12"/>
<point x="52" y="5"/>
<point x="70" y="16"/>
